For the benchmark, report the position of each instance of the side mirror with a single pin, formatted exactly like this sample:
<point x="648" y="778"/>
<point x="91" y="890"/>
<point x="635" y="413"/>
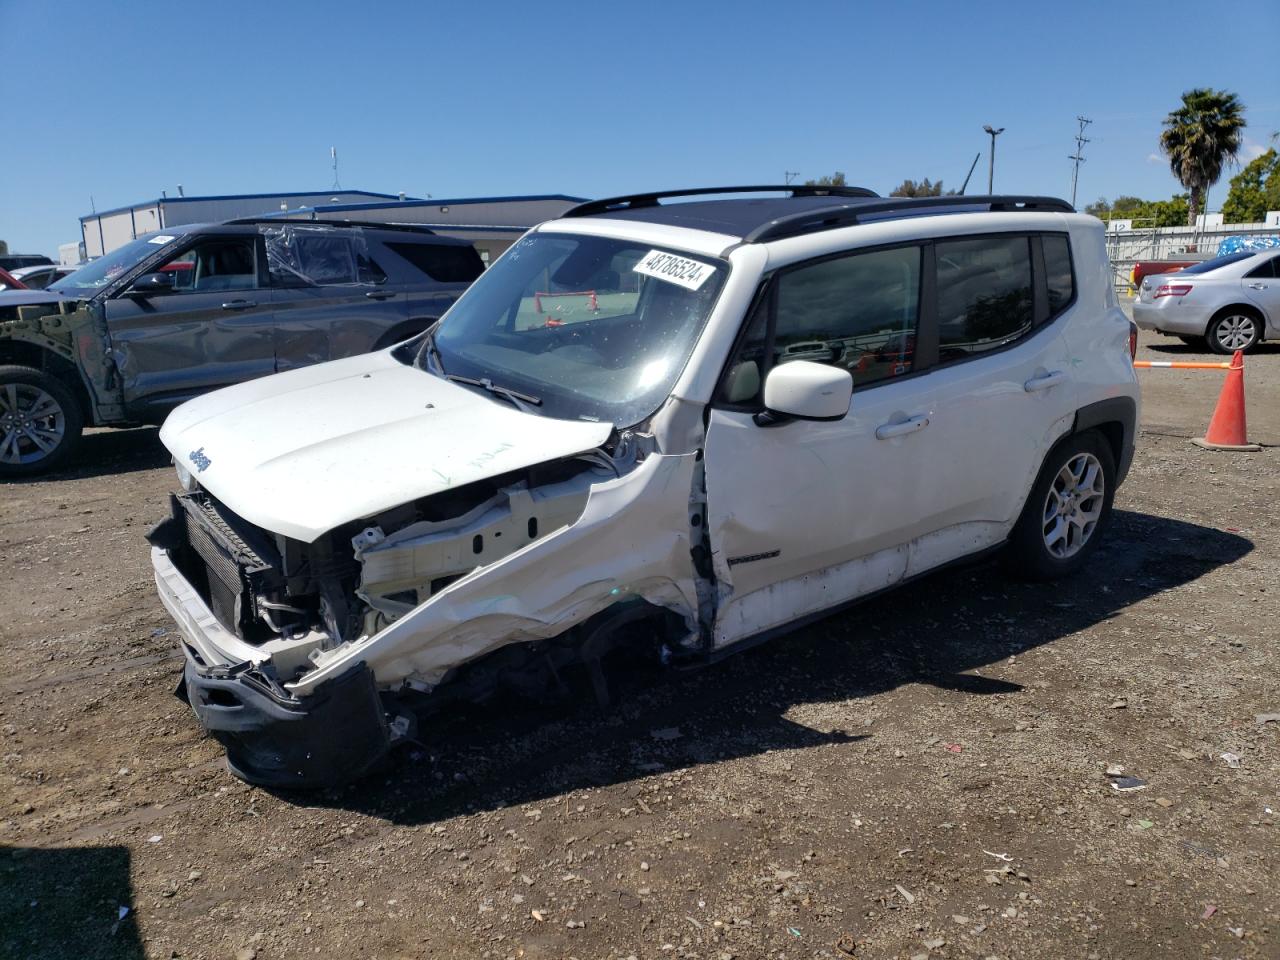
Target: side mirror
<point x="151" y="283"/>
<point x="804" y="390"/>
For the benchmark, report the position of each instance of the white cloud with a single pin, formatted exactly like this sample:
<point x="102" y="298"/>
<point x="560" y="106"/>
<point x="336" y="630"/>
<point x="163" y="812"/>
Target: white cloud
<point x="1251" y="151"/>
<point x="1154" y="158"/>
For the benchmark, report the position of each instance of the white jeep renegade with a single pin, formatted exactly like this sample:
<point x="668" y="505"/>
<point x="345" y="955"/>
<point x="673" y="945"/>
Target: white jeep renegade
<point x="676" y="427"/>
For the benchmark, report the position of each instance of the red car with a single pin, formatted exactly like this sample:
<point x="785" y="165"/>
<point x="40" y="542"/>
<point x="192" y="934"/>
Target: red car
<point x="9" y="282"/>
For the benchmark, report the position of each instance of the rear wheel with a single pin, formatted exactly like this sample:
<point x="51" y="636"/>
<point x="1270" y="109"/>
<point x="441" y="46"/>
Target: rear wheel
<point x="1236" y="328"/>
<point x="1067" y="510"/>
<point x="40" y="421"/>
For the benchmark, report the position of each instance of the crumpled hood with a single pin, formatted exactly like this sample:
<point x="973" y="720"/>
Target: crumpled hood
<point x="301" y="452"/>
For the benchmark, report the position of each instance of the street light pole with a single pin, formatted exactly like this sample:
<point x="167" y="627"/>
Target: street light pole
<point x="991" y="167"/>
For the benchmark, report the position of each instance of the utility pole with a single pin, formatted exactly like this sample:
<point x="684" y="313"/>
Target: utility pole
<point x="964" y="186"/>
<point x="1078" y="156"/>
<point x="790" y="175"/>
<point x="991" y="167"/>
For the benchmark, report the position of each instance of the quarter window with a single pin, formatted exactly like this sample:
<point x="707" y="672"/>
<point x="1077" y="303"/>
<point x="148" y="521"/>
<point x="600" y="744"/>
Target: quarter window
<point x="984" y="294"/>
<point x="1057" y="272"/>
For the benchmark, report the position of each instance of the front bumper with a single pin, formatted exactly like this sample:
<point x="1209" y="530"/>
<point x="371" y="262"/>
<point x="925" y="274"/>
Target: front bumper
<point x="272" y="738"/>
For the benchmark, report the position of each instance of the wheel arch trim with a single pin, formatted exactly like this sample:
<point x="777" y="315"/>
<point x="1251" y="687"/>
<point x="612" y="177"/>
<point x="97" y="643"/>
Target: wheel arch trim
<point x="1116" y="418"/>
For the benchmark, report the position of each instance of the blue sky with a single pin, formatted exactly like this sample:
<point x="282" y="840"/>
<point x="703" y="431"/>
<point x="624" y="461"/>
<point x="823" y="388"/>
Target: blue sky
<point x="123" y="100"/>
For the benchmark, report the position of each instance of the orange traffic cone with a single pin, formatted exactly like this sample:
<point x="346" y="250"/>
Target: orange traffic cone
<point x="1227" y="428"/>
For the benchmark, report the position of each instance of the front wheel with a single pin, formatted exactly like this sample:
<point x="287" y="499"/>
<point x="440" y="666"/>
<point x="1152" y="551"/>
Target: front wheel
<point x="1067" y="510"/>
<point x="1234" y="329"/>
<point x="40" y="421"/>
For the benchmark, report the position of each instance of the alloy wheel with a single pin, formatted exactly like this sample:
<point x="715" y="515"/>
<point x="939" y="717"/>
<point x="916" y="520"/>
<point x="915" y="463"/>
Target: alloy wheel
<point x="1073" y="506"/>
<point x="1235" y="332"/>
<point x="32" y="423"/>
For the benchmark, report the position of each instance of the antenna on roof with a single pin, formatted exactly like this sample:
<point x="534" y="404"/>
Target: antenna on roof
<point x="180" y="192"/>
<point x="333" y="155"/>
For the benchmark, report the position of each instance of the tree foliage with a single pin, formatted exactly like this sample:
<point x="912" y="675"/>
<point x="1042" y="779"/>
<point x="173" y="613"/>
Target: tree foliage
<point x="835" y="180"/>
<point x="925" y="188"/>
<point x="1254" y="190"/>
<point x="1144" y="213"/>
<point x="1199" y="138"/>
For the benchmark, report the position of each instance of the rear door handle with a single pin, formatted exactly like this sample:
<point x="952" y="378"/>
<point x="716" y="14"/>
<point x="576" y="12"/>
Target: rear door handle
<point x="380" y="294"/>
<point x="238" y="305"/>
<point x="1045" y="382"/>
<point x="888" y="430"/>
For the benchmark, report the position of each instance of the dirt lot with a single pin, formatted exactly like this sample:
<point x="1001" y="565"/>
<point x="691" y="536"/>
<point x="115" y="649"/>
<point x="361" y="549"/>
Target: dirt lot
<point x="924" y="775"/>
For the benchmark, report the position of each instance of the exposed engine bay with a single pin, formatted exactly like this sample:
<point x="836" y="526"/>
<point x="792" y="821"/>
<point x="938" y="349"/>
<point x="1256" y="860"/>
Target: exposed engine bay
<point x="298" y="603"/>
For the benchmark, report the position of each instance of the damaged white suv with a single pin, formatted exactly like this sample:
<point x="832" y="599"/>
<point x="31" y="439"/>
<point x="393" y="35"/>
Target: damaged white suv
<point x="677" y="427"/>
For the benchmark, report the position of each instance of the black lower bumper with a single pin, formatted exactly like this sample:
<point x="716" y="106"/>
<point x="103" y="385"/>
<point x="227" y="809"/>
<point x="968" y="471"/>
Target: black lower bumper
<point x="332" y="737"/>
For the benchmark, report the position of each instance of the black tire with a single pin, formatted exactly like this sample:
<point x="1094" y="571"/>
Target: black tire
<point x="1234" y="328"/>
<point x="21" y="454"/>
<point x="1197" y="342"/>
<point x="1029" y="555"/>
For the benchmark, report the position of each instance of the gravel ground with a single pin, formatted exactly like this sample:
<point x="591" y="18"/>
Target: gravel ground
<point x="922" y="776"/>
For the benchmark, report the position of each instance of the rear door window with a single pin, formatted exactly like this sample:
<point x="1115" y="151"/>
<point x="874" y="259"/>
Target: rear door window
<point x="326" y="260"/>
<point x="1264" y="270"/>
<point x="984" y="294"/>
<point x="443" y="263"/>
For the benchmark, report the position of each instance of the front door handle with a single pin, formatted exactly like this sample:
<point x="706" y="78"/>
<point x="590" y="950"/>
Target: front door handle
<point x="888" y="430"/>
<point x="238" y="305"/>
<point x="1257" y="286"/>
<point x="380" y="294"/>
<point x="1045" y="382"/>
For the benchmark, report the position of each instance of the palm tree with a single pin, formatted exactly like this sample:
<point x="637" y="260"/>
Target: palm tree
<point x="1199" y="137"/>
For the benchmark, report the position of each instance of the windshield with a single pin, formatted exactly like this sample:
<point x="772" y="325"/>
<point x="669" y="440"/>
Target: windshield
<point x="1217" y="262"/>
<point x="96" y="274"/>
<point x="592" y="328"/>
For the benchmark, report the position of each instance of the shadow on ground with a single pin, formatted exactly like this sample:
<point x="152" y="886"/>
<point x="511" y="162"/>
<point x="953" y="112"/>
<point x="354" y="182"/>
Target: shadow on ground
<point x="106" y="453"/>
<point x="936" y="631"/>
<point x="1192" y="351"/>
<point x="61" y="903"/>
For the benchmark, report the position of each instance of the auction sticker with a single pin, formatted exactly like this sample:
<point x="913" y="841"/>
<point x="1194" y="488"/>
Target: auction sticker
<point x="690" y="274"/>
<point x="161" y="239"/>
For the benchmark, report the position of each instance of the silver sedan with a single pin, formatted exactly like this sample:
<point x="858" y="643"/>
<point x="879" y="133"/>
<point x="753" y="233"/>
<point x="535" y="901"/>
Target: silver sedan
<point x="1233" y="302"/>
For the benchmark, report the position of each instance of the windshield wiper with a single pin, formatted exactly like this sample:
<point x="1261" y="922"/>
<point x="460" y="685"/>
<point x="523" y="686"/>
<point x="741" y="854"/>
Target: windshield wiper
<point x="520" y="400"/>
<point x="428" y="349"/>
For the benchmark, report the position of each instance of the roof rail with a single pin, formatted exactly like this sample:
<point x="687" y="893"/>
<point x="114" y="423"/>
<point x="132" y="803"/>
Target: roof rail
<point x="637" y="200"/>
<point x="848" y="214"/>
<point x="329" y="222"/>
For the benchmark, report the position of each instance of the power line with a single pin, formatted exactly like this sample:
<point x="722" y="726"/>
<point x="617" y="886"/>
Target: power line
<point x="1078" y="156"/>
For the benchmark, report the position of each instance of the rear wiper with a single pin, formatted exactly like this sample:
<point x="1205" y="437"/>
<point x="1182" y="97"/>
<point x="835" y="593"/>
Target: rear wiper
<point x="519" y="400"/>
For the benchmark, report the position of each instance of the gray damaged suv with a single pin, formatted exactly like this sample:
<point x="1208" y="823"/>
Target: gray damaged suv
<point x="178" y="313"/>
